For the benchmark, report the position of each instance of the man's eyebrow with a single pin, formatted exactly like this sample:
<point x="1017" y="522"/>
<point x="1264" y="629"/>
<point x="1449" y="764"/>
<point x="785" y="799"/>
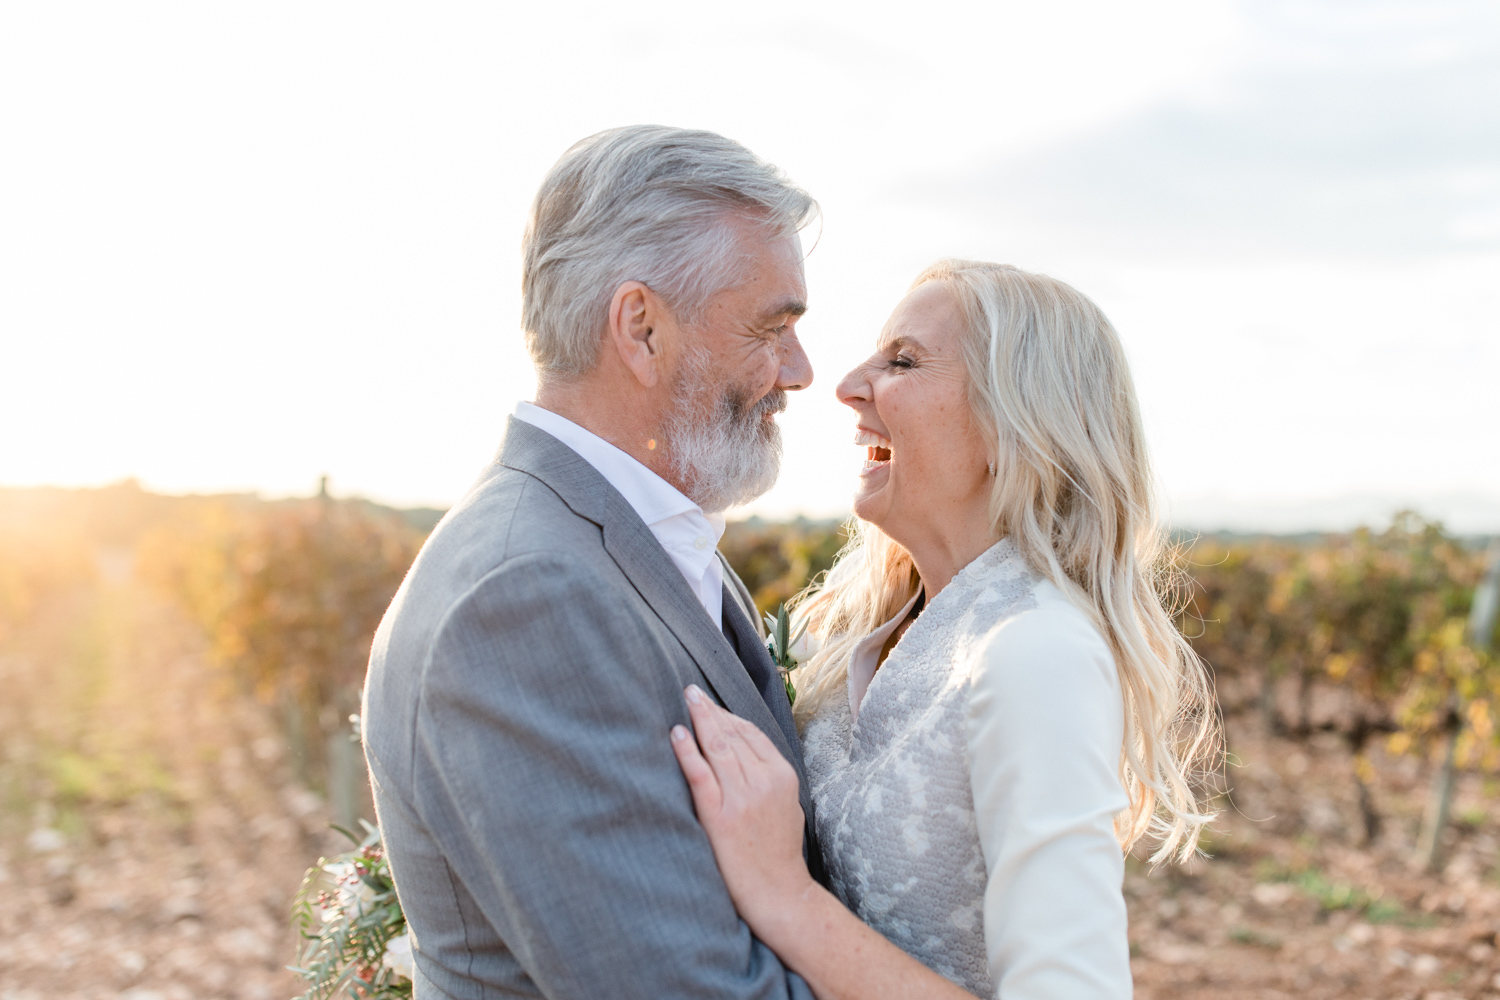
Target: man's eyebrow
<point x="791" y="307"/>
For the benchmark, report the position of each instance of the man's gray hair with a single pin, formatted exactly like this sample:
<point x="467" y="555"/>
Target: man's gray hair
<point x="642" y="203"/>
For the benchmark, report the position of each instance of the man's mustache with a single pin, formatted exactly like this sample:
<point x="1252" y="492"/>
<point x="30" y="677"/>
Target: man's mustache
<point x="771" y="403"/>
<point x="741" y="411"/>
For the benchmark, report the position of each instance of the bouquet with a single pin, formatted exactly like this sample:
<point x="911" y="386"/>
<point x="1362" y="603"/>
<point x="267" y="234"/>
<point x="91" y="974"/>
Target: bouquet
<point x="355" y="942"/>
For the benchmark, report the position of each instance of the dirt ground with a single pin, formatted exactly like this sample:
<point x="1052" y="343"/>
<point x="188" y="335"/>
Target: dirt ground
<point x="151" y="838"/>
<point x="1292" y="904"/>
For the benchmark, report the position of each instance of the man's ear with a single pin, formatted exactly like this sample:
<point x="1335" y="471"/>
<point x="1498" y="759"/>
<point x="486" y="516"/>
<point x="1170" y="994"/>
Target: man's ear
<point x="635" y="313"/>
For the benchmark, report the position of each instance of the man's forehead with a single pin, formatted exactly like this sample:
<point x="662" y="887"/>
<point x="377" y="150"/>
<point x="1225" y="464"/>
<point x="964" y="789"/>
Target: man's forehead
<point x="777" y="279"/>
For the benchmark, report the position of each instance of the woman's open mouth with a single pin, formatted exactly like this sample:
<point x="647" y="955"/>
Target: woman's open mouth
<point x="877" y="448"/>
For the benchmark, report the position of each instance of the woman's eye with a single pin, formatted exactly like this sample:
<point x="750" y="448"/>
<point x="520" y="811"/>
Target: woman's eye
<point x="901" y="361"/>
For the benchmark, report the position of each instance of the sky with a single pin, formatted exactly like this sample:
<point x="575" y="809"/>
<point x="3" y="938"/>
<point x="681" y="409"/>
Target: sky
<point x="246" y="245"/>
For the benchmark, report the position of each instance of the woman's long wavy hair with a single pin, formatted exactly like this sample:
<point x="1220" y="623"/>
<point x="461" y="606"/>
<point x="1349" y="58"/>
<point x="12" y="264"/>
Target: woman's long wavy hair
<point x="1051" y="392"/>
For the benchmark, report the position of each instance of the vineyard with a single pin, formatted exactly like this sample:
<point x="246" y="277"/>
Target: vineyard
<point x="180" y="674"/>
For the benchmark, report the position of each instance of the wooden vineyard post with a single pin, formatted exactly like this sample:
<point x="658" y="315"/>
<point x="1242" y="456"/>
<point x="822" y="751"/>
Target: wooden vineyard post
<point x="1481" y="633"/>
<point x="345" y="773"/>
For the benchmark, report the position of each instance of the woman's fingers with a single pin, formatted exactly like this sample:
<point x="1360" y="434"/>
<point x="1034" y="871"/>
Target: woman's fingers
<point x="759" y="743"/>
<point x="746" y="763"/>
<point x="746" y="796"/>
<point x="708" y="797"/>
<point x="721" y="739"/>
<point x="742" y="735"/>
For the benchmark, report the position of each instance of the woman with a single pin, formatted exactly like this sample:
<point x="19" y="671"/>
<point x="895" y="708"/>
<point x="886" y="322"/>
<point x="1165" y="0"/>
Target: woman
<point x="1000" y="705"/>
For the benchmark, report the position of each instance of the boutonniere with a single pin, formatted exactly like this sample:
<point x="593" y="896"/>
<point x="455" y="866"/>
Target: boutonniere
<point x="780" y="643"/>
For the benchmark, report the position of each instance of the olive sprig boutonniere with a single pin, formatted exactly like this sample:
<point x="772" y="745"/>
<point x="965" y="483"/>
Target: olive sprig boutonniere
<point x="779" y="642"/>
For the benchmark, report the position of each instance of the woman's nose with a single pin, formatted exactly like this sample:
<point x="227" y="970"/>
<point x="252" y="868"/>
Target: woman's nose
<point x="853" y="389"/>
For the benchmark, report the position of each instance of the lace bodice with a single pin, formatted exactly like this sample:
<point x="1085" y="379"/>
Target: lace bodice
<point x="893" y="776"/>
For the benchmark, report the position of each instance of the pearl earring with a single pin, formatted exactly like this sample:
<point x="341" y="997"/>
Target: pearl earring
<point x="992" y="468"/>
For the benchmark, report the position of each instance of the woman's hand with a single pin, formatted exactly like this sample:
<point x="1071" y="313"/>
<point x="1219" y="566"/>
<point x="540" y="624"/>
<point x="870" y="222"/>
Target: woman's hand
<point x="745" y="793"/>
<point x="746" y="796"/>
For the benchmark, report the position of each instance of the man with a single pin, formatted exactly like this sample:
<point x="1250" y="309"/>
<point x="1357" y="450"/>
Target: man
<point x="527" y="675"/>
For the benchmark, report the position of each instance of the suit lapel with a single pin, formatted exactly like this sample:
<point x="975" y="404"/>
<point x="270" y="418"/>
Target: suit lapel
<point x="651" y="571"/>
<point x="757" y="661"/>
<point x="741" y="595"/>
<point x="649" y="568"/>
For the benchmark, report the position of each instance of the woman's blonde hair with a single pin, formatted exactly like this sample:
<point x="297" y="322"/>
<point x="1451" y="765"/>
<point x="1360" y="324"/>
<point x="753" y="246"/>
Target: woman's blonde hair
<point x="1050" y="390"/>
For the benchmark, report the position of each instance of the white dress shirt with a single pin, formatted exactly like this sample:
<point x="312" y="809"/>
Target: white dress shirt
<point x="690" y="536"/>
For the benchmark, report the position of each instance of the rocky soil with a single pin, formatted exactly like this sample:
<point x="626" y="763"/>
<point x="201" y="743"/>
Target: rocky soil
<point x="152" y="836"/>
<point x="1294" y="904"/>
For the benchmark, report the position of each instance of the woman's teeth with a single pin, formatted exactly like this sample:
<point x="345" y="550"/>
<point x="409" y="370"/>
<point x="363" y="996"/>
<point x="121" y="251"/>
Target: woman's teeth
<point x="877" y="448"/>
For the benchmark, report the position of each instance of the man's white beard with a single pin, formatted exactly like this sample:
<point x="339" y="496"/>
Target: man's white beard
<point x="724" y="448"/>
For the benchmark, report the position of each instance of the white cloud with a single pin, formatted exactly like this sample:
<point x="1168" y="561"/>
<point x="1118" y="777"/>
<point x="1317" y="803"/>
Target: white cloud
<point x="1349" y="129"/>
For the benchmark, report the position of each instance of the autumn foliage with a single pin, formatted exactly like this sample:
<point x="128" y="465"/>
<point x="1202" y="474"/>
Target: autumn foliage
<point x="290" y="595"/>
<point x="1360" y="634"/>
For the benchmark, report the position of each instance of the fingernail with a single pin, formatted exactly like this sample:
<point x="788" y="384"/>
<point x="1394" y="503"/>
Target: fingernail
<point x="679" y="733"/>
<point x="694" y="694"/>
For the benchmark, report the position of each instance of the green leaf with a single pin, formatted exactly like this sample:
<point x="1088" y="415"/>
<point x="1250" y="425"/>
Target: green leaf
<point x="352" y="838"/>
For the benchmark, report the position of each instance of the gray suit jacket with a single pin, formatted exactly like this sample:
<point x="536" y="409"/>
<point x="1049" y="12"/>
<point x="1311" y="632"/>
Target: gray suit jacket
<point x="517" y="710"/>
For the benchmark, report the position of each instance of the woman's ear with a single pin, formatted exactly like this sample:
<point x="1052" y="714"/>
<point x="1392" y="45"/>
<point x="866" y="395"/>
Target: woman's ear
<point x="635" y="313"/>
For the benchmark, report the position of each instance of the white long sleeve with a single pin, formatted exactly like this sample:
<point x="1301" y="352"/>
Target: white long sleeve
<point x="1044" y="728"/>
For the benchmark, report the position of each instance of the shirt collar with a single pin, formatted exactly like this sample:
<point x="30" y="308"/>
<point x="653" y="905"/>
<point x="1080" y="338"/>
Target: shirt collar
<point x="652" y="498"/>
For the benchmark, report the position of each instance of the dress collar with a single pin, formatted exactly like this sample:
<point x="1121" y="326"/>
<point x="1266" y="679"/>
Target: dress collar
<point x="865" y="659"/>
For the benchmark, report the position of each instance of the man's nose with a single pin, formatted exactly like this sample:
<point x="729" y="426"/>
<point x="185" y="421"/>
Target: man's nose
<point x="796" y="370"/>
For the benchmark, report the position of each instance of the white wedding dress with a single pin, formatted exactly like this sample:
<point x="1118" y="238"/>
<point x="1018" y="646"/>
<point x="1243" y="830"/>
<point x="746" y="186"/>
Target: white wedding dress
<point x="965" y="792"/>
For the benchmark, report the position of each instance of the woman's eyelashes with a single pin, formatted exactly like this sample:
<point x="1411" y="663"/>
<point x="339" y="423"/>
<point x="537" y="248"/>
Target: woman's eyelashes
<point x="900" y="361"/>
